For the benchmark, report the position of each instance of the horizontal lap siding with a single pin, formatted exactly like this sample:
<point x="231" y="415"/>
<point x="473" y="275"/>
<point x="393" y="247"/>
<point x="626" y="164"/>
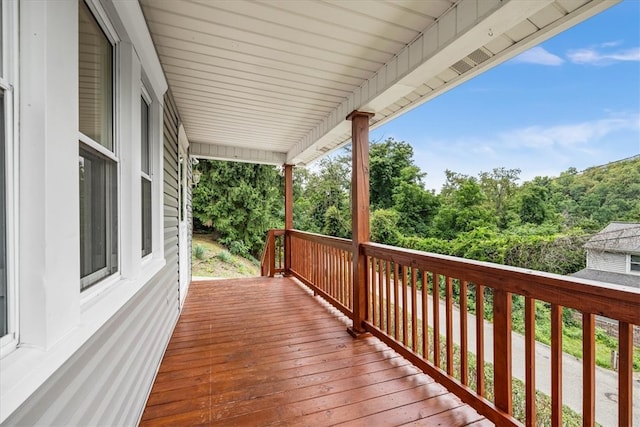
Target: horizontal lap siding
<point x="107" y="381"/>
<point x="607" y="261"/>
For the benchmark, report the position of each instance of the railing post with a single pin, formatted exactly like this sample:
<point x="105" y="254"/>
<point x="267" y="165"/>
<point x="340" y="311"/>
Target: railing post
<point x="502" y="350"/>
<point x="359" y="214"/>
<point x="288" y="216"/>
<point x="272" y="253"/>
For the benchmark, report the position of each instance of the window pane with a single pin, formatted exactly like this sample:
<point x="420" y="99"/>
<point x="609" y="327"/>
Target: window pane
<point x="144" y="125"/>
<point x="98" y="218"/>
<point x="95" y="80"/>
<point x="4" y="306"/>
<point x="635" y="262"/>
<point x="146" y="217"/>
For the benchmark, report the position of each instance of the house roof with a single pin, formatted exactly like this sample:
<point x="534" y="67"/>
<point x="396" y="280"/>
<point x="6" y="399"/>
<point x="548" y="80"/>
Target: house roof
<point x="272" y="81"/>
<point x="632" y="280"/>
<point x="616" y="237"/>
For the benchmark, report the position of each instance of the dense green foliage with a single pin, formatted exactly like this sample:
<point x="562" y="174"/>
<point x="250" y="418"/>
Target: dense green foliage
<point x="541" y="224"/>
<point x="239" y="202"/>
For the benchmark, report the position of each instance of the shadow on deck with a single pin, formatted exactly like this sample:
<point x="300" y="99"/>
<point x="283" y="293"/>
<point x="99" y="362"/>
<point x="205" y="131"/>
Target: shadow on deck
<point x="264" y="351"/>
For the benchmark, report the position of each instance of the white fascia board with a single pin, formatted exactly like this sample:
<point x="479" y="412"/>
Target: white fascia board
<point x="130" y="14"/>
<point x="236" y="154"/>
<point x="463" y="29"/>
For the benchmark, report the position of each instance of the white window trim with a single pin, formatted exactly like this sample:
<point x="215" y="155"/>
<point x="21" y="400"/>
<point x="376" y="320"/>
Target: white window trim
<point x="144" y="93"/>
<point x="99" y="14"/>
<point x="629" y="262"/>
<point x="9" y="83"/>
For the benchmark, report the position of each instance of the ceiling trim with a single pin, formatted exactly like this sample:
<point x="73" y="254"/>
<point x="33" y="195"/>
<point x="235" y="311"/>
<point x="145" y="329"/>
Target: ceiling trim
<point x="237" y="154"/>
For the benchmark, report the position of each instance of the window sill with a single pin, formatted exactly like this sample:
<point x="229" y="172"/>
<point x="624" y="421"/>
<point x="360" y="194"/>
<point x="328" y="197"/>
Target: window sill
<point x="25" y="369"/>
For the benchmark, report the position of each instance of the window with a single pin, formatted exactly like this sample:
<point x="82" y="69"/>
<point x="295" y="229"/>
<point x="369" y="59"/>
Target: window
<point x="145" y="151"/>
<point x="634" y="263"/>
<point x="98" y="161"/>
<point x="4" y="306"/>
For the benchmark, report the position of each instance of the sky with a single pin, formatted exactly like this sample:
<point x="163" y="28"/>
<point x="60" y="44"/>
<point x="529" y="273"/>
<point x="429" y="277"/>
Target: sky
<point x="573" y="101"/>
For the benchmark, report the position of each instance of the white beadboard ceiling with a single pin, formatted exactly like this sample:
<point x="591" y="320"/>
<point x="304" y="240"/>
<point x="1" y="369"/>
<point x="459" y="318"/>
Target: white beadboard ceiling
<point x="271" y="81"/>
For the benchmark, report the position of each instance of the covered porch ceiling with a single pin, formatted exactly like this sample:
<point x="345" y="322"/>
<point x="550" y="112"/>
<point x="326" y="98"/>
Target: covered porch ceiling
<point x="272" y="81"/>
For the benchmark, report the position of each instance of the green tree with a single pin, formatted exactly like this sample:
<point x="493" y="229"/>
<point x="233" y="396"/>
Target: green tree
<point x="239" y="201"/>
<point x="416" y="208"/>
<point x="384" y="227"/>
<point x="390" y="163"/>
<point x="464" y="211"/>
<point x="532" y="204"/>
<point x="498" y="186"/>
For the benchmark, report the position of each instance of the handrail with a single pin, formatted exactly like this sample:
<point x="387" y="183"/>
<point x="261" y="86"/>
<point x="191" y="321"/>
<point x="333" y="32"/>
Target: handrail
<point x="334" y="242"/>
<point x="272" y="261"/>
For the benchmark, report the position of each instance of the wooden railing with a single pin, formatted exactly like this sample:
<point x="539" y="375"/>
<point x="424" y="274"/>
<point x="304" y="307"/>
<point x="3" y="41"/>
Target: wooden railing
<point x="408" y="320"/>
<point x="412" y="323"/>
<point x="325" y="264"/>
<point x="272" y="261"/>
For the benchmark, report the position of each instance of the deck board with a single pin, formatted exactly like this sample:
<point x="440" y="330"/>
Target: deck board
<point x="264" y="351"/>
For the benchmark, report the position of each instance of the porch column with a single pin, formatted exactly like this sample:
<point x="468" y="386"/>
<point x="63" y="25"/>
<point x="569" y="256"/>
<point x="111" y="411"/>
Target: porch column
<point x="288" y="215"/>
<point x="359" y="214"/>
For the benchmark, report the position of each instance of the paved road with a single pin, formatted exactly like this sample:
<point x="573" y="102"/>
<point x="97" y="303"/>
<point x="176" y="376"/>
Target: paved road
<point x="606" y="380"/>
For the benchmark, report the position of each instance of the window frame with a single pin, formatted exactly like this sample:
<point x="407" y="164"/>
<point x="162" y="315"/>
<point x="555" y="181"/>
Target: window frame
<point x="633" y="262"/>
<point x="147" y="176"/>
<point x="9" y="84"/>
<point x="94" y="282"/>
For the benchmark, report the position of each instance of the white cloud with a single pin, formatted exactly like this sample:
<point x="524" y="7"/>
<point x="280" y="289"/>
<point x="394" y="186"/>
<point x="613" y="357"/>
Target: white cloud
<point x="594" y="56"/>
<point x="538" y="55"/>
<point x="570" y="134"/>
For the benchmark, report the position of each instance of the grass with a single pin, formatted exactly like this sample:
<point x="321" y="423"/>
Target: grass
<point x="572" y="336"/>
<point x="210" y="259"/>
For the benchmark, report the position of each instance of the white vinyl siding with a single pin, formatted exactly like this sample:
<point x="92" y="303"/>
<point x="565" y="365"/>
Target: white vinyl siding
<point x="607" y="261"/>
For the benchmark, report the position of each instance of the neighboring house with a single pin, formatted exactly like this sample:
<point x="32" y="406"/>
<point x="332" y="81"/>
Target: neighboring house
<point x="613" y="255"/>
<point x="104" y="102"/>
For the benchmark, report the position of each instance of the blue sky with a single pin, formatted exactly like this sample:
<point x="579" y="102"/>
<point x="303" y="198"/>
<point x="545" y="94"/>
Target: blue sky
<point x="573" y="101"/>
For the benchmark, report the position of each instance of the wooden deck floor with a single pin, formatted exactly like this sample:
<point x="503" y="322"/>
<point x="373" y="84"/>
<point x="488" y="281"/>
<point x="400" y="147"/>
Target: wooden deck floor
<point x="260" y="351"/>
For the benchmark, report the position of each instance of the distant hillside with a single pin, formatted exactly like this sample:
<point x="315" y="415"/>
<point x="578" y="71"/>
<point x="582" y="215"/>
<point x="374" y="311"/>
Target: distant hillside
<point x="601" y="194"/>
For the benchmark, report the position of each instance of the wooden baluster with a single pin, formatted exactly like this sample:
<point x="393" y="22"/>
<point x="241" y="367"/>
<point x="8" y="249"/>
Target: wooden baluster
<point x="502" y="350"/>
<point x="625" y="374"/>
<point x="464" y="350"/>
<point x="396" y="300"/>
<point x="556" y="365"/>
<point x="449" y="323"/>
<point x="530" y="360"/>
<point x="480" y="340"/>
<point x="425" y="313"/>
<point x="436" y="319"/>
<point x="588" y="369"/>
<point x="380" y="294"/>
<point x="414" y="310"/>
<point x="387" y="273"/>
<point x="372" y="289"/>
<point x="405" y="306"/>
